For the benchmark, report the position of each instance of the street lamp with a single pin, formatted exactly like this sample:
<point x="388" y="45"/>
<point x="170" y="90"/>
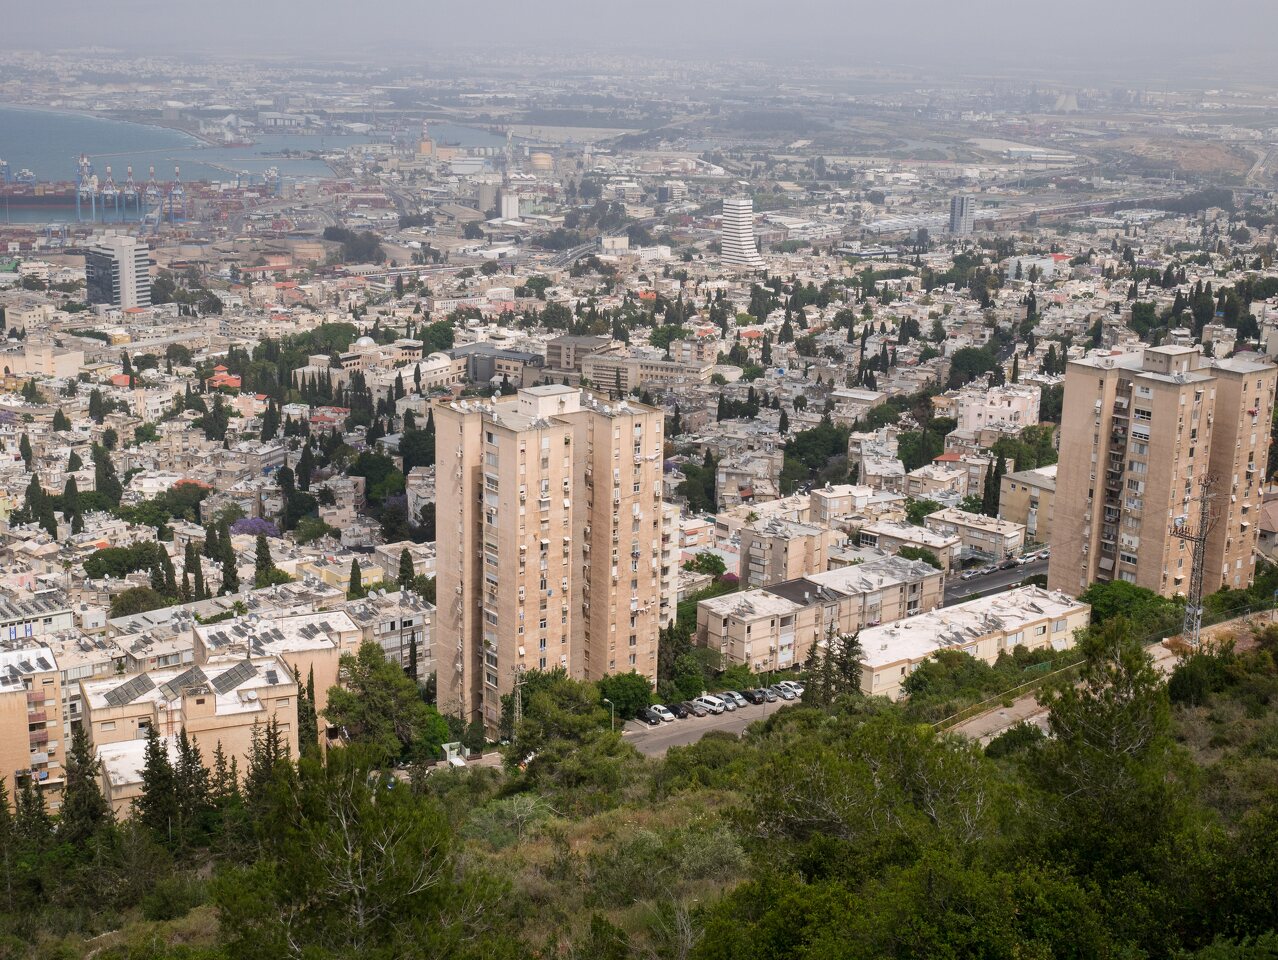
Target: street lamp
<point x="612" y="716"/>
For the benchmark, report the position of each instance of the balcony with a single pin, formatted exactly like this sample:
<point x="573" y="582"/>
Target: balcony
<point x="39" y="736"/>
<point x="37" y="716"/>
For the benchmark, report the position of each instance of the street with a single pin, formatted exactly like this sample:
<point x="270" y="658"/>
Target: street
<point x="957" y="590"/>
<point x="655" y="741"/>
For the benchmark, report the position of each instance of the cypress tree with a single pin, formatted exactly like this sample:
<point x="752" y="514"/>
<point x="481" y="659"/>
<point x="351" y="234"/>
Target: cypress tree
<point x="264" y="566"/>
<point x="355" y="587"/>
<point x="24" y="448"/>
<point x="84" y="809"/>
<point x="32" y="823"/>
<point x="157" y="807"/>
<point x="405" y="568"/>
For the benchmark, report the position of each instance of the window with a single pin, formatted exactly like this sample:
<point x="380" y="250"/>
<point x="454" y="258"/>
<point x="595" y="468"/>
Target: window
<point x="109" y="725"/>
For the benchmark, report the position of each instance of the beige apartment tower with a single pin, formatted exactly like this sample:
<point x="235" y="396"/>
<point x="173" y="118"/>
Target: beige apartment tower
<point x="548" y="541"/>
<point x="1140" y="433"/>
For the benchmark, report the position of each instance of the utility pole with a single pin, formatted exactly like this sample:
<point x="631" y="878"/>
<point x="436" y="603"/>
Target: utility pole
<point x="1193" y="623"/>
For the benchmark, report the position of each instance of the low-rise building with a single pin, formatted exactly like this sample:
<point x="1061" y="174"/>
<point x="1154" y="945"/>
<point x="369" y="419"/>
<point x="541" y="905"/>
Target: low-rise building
<point x="891" y="535"/>
<point x="775" y="628"/>
<point x="984" y="628"/>
<point x="221" y="703"/>
<point x="979" y="535"/>
<point x="773" y="550"/>
<point x="1026" y="497"/>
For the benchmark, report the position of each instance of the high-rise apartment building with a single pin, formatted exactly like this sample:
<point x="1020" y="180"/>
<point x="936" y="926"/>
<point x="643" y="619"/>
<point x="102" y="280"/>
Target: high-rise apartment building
<point x="549" y="541"/>
<point x="962" y="214"/>
<point x="737" y="246"/>
<point x="1140" y="433"/>
<point x="117" y="272"/>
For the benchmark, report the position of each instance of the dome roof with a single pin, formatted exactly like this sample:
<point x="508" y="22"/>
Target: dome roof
<point x="365" y="342"/>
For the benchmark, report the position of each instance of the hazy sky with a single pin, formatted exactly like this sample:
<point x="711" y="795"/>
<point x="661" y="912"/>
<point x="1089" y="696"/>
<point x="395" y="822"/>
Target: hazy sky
<point x="979" y="36"/>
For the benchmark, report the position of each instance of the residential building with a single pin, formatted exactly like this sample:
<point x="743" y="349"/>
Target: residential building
<point x="979" y="535"/>
<point x="773" y="550"/>
<point x="737" y="244"/>
<point x="1141" y="433"/>
<point x="891" y="535"/>
<point x="549" y="541"/>
<point x="962" y="214"/>
<point x="1026" y="497"/>
<point x="984" y="628"/>
<point x="117" y="272"/>
<point x="32" y="740"/>
<point x="220" y="703"/>
<point x="775" y="628"/>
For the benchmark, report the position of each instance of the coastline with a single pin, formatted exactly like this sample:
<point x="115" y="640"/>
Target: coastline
<point x="112" y="116"/>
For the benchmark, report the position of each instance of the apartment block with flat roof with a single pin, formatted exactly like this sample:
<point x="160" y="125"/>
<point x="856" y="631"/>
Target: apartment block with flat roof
<point x="1141" y="432"/>
<point x="549" y="542"/>
<point x="776" y="627"/>
<point x="1026" y="497"/>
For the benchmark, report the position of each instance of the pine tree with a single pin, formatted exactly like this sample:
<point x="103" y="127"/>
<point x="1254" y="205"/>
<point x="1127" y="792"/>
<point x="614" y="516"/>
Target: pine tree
<point x="60" y="421"/>
<point x="84" y="810"/>
<point x="355" y="587"/>
<point x="406" y="572"/>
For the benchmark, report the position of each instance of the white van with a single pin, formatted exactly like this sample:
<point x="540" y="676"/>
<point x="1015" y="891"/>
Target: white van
<point x="711" y="703"/>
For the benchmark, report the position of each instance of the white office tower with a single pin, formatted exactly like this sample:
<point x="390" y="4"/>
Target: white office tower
<point x="117" y="271"/>
<point x="737" y="242"/>
<point x="962" y="214"/>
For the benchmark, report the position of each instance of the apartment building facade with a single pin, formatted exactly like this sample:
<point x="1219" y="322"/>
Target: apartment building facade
<point x="1142" y="432"/>
<point x="1027" y="497"/>
<point x="774" y="550"/>
<point x="775" y="628"/>
<point x="549" y="541"/>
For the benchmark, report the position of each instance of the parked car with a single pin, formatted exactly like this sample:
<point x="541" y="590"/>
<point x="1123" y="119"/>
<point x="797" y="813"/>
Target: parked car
<point x="680" y="711"/>
<point x="793" y="685"/>
<point x="649" y="716"/>
<point x="969" y="574"/>
<point x="662" y="712"/>
<point x="734" y="697"/>
<point x="785" y="693"/>
<point x="1027" y="558"/>
<point x="1008" y="563"/>
<point x="768" y="695"/>
<point x="728" y="703"/>
<point x="695" y="708"/>
<point x="712" y="704"/>
<point x="753" y="696"/>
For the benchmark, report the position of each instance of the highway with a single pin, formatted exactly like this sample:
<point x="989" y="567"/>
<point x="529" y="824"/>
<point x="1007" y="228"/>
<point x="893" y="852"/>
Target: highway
<point x="957" y="590"/>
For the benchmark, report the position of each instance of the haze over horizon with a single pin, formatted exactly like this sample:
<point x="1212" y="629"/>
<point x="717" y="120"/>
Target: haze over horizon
<point x="1142" y="38"/>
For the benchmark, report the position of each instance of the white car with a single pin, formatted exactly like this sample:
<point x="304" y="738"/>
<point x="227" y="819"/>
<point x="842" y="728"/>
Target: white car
<point x="665" y="715"/>
<point x="794" y="686"/>
<point x="713" y="704"/>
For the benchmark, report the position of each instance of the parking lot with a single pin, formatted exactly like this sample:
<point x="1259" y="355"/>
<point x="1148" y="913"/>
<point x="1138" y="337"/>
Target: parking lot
<point x="655" y="741"/>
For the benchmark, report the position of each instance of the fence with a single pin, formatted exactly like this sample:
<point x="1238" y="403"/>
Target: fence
<point x="1149" y="640"/>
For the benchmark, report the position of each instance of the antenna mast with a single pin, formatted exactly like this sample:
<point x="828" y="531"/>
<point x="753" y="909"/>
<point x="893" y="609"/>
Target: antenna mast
<point x="1193" y="623"/>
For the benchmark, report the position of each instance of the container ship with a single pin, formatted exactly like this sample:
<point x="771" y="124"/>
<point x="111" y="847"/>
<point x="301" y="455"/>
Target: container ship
<point x="20" y="196"/>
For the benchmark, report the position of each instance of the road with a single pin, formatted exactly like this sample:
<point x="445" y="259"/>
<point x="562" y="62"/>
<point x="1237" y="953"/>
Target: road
<point x="984" y="727"/>
<point x="655" y="741"/>
<point x="957" y="590"/>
